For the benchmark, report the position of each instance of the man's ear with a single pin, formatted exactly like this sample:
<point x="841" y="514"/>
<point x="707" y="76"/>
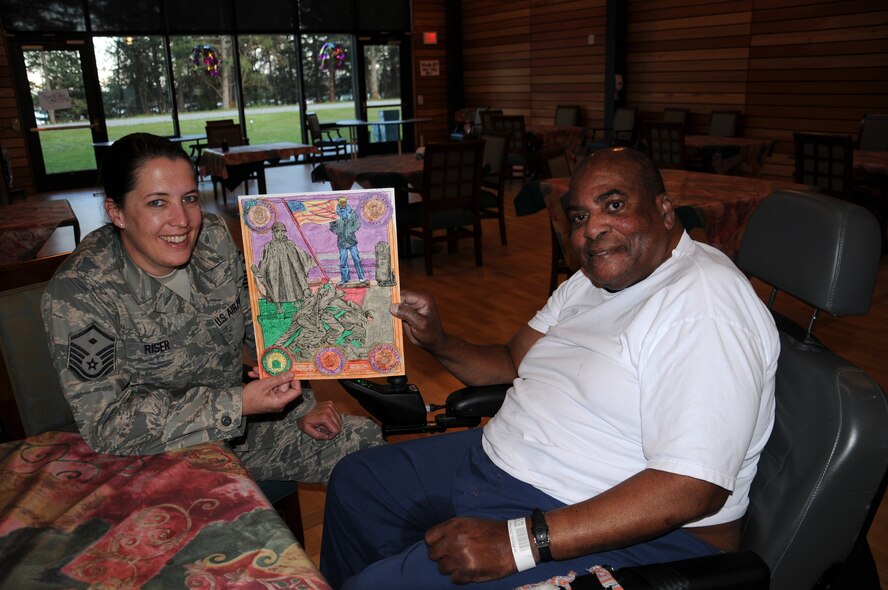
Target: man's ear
<point x="667" y="209"/>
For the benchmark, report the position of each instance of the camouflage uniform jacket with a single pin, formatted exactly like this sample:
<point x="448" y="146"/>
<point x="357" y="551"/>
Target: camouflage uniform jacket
<point x="145" y="371"/>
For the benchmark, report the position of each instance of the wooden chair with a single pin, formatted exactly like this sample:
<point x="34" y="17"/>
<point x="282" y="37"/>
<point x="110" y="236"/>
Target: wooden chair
<point x="450" y="196"/>
<point x="675" y="115"/>
<point x="483" y="116"/>
<point x="873" y="133"/>
<point x="322" y="137"/>
<point x="825" y="161"/>
<point x="517" y="157"/>
<point x="31" y="400"/>
<point x="664" y="143"/>
<point x="622" y="131"/>
<point x="552" y="162"/>
<point x="493" y="179"/>
<point x="224" y="134"/>
<point x="724" y="123"/>
<point x="567" y="115"/>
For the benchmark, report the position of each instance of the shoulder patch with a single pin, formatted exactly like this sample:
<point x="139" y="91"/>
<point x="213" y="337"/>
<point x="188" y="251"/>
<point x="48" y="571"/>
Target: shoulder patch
<point x="90" y="353"/>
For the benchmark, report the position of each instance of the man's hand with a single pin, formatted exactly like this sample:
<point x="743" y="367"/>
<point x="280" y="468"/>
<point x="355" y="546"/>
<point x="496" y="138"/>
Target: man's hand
<point x="471" y="549"/>
<point x="322" y="422"/>
<point x="269" y="395"/>
<point x="422" y="324"/>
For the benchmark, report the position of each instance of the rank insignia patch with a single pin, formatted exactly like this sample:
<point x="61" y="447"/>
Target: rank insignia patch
<point x="90" y="353"/>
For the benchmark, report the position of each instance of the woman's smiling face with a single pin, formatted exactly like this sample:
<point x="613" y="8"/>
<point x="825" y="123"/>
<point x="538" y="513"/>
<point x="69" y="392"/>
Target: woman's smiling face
<point x="161" y="216"/>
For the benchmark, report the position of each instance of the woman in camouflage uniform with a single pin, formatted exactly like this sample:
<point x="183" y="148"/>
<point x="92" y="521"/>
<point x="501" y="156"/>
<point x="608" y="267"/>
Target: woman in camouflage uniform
<point x="147" y="323"/>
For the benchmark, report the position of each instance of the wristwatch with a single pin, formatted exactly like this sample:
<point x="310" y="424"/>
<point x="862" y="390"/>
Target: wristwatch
<point x="540" y="534"/>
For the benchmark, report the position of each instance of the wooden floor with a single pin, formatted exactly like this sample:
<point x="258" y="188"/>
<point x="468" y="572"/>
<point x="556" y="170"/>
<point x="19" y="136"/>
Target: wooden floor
<point x="488" y="303"/>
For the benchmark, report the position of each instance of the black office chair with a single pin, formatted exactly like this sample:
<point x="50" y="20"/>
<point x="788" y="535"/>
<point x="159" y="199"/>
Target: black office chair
<point x="821" y="475"/>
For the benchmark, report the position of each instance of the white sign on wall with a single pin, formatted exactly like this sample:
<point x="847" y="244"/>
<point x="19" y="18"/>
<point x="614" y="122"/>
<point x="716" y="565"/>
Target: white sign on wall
<point x="429" y="67"/>
<point x="54" y="100"/>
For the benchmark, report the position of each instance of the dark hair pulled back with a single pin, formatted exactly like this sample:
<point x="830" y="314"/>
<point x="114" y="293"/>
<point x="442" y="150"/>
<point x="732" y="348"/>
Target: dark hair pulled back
<point x="127" y="155"/>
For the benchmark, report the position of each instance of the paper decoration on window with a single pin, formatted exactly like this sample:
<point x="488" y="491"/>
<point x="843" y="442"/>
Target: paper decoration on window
<point x="207" y="59"/>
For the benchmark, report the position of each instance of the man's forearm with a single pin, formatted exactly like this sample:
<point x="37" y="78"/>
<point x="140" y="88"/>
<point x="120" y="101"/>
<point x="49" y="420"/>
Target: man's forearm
<point x="475" y="364"/>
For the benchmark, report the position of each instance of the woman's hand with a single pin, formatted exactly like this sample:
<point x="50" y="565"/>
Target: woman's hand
<point x="269" y="395"/>
<point x="322" y="422"/>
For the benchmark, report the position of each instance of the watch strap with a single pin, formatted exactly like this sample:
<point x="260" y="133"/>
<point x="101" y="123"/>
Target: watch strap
<point x="540" y="531"/>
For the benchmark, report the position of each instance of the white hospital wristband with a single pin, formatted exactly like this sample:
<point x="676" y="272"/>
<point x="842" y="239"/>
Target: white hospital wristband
<point x="520" y="541"/>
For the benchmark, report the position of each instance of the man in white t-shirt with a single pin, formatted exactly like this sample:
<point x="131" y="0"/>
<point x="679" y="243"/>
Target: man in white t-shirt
<point x="643" y="394"/>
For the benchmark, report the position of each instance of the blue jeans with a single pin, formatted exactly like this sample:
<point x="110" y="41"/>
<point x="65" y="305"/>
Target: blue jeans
<point x="343" y="263"/>
<point x="381" y="501"/>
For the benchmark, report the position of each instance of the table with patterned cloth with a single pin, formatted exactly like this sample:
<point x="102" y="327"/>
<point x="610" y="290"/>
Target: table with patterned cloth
<point x="871" y="162"/>
<point x="723" y="154"/>
<point x="570" y="138"/>
<point x="72" y="518"/>
<point x="237" y="163"/>
<point x="343" y="174"/>
<point x="25" y="227"/>
<point x="723" y="203"/>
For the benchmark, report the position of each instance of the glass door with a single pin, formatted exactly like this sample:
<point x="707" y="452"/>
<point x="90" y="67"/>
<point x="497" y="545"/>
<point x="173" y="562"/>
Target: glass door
<point x="380" y="89"/>
<point x="61" y="111"/>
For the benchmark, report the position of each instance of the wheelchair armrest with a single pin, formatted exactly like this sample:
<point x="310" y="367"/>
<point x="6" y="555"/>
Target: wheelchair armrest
<point x="479" y="401"/>
<point x="736" y="570"/>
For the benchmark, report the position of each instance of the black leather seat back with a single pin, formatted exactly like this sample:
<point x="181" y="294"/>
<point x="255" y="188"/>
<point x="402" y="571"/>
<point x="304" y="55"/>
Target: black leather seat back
<point x="820" y="474"/>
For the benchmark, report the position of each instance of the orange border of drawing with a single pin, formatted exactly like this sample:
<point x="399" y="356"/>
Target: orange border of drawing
<point x="319" y="248"/>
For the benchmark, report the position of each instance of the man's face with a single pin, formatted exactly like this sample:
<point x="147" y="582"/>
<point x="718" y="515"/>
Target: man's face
<point x="620" y="234"/>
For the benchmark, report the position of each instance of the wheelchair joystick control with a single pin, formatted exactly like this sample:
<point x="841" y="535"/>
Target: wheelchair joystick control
<point x="397" y="383"/>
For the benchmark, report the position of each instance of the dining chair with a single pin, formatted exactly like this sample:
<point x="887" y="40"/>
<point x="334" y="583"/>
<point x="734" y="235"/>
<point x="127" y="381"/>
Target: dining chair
<point x="450" y="195"/>
<point x="567" y="115"/>
<point x="493" y="179"/>
<point x="517" y="161"/>
<point x="873" y="133"/>
<point x="224" y="134"/>
<point x="724" y="123"/>
<point x="31" y="400"/>
<point x="552" y="162"/>
<point x="483" y="116"/>
<point x="665" y="144"/>
<point x="675" y="115"/>
<point x="825" y="161"/>
<point x="622" y="131"/>
<point x="322" y="137"/>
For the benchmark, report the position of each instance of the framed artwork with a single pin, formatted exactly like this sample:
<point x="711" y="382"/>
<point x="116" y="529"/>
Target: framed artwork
<point x="322" y="271"/>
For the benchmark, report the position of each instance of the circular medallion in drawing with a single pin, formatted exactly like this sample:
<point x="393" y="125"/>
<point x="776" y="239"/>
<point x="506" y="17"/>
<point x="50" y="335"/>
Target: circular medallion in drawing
<point x="330" y="360"/>
<point x="276" y="360"/>
<point x="259" y="216"/>
<point x="384" y="358"/>
<point x="375" y="209"/>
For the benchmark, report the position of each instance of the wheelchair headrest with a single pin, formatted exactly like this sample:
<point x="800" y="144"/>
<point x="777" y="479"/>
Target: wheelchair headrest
<point x="819" y="249"/>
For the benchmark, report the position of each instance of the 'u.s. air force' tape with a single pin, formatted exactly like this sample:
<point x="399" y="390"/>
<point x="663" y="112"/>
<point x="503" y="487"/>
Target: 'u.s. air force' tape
<point x="90" y="353"/>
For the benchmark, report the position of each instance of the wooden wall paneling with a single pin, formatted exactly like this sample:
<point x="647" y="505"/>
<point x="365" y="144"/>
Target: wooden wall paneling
<point x="527" y="57"/>
<point x="687" y="54"/>
<point x="815" y="66"/>
<point x="430" y="15"/>
<point x="565" y="68"/>
<point x="11" y="134"/>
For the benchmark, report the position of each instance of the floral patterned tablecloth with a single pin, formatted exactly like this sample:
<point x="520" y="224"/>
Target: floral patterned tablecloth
<point x="723" y="154"/>
<point x="343" y="174"/>
<point x="25" y="227"/>
<point x="72" y="518"/>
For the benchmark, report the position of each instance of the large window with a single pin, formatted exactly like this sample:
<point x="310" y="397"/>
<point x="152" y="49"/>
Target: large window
<point x="327" y="69"/>
<point x="269" y="74"/>
<point x="134" y="83"/>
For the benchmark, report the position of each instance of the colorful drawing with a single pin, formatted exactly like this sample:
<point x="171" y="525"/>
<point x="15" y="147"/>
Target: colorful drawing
<point x="322" y="270"/>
